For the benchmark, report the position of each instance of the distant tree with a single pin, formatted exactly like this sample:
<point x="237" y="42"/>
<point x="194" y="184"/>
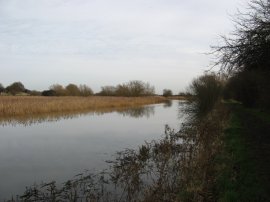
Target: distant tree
<point x="108" y="91"/>
<point x="148" y="89"/>
<point x="138" y="88"/>
<point x="73" y="90"/>
<point x="167" y="92"/>
<point x="58" y="89"/>
<point x="48" y="93"/>
<point x="85" y="90"/>
<point x="131" y="88"/>
<point x="16" y="87"/>
<point x="2" y="89"/>
<point x="122" y="90"/>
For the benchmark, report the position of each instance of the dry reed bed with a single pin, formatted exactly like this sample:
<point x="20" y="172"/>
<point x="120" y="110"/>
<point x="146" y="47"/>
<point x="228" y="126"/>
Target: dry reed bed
<point x="11" y="106"/>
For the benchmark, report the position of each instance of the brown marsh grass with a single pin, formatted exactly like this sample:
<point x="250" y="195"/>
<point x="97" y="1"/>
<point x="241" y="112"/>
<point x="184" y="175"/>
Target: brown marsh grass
<point x="18" y="107"/>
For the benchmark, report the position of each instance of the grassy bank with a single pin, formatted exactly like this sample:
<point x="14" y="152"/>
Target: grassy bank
<point x="11" y="106"/>
<point x="243" y="164"/>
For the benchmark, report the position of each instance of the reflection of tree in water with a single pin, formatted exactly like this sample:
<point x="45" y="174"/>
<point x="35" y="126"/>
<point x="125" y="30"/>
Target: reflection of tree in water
<point x="184" y="110"/>
<point x="178" y="167"/>
<point x="167" y="103"/>
<point x="36" y="119"/>
<point x="138" y="112"/>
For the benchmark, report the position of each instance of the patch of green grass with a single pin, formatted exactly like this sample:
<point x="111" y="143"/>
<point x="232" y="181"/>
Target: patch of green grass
<point x="237" y="178"/>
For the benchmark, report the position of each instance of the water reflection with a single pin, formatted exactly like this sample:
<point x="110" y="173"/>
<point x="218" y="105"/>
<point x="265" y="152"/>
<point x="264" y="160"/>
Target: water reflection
<point x="139" y="112"/>
<point x="167" y="103"/>
<point x="183" y="109"/>
<point x="135" y="112"/>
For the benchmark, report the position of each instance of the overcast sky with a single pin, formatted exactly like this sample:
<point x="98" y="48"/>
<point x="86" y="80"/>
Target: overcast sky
<point x="107" y="42"/>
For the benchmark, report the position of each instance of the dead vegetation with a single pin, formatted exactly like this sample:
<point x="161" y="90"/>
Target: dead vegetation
<point x="20" y="107"/>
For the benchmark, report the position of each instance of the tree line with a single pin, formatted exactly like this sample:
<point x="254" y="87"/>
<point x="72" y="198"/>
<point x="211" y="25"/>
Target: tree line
<point x="17" y="88"/>
<point x="132" y="88"/>
<point x="245" y="56"/>
<point x="129" y="89"/>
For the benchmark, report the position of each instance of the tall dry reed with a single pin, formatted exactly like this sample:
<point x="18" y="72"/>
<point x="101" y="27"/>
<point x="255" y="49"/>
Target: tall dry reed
<point x="11" y="106"/>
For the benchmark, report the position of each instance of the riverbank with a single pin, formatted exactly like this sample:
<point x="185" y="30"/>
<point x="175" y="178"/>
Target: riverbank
<point x="11" y="106"/>
<point x="243" y="165"/>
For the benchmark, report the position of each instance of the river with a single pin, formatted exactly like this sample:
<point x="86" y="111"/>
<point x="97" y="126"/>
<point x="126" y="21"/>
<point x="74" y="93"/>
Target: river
<point x="60" y="149"/>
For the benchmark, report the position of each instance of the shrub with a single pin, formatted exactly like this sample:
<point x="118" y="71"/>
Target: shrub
<point x="206" y="91"/>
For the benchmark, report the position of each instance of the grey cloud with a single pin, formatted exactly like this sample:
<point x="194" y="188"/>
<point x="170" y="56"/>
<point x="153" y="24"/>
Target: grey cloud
<point x="146" y="32"/>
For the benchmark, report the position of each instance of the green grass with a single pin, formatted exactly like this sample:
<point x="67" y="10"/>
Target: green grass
<point x="237" y="178"/>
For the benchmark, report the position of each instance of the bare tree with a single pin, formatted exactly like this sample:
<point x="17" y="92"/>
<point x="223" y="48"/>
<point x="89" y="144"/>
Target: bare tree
<point x="108" y="91"/>
<point x="245" y="56"/>
<point x="85" y="90"/>
<point x="122" y="90"/>
<point x="248" y="47"/>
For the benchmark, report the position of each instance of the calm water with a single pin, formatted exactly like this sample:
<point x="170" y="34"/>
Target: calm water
<point x="58" y="150"/>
